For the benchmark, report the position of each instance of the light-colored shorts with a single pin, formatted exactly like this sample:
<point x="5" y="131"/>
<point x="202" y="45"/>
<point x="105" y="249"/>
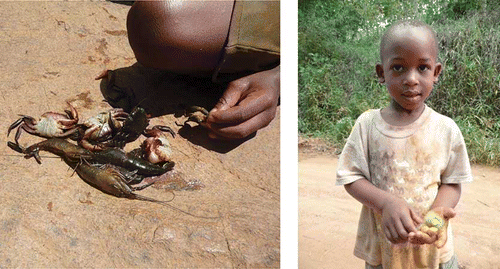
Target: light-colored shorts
<point x="451" y="264"/>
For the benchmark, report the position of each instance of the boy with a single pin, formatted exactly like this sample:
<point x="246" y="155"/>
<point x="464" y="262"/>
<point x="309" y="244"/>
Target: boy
<point x="405" y="160"/>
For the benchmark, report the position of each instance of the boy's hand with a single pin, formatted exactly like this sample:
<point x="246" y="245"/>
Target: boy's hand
<point x="434" y="230"/>
<point x="247" y="105"/>
<point x="399" y="220"/>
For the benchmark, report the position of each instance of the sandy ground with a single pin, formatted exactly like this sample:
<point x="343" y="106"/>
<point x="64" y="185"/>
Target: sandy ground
<point x="51" y="52"/>
<point x="328" y="217"/>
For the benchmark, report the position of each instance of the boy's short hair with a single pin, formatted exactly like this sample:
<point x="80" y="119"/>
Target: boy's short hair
<point x="406" y="23"/>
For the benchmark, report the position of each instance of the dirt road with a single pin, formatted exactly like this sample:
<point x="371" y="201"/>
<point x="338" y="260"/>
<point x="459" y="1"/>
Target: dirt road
<point x="328" y="218"/>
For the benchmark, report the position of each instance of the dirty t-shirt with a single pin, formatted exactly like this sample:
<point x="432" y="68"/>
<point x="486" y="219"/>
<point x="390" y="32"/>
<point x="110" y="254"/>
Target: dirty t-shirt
<point x="410" y="162"/>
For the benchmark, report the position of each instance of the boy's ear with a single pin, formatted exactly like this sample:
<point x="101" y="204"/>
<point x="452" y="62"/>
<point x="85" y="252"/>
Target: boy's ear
<point x="380" y="73"/>
<point x="437" y="70"/>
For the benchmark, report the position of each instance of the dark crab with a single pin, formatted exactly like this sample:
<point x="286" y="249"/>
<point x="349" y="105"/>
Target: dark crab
<point x="101" y="127"/>
<point x="196" y="114"/>
<point x="116" y="128"/>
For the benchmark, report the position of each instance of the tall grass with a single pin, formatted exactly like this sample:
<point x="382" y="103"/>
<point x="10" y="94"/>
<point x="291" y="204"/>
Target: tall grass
<point x="337" y="79"/>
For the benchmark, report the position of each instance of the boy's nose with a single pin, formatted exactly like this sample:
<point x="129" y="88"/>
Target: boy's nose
<point x="411" y="78"/>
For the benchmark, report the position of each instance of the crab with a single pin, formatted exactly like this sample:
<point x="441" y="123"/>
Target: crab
<point x="49" y="125"/>
<point x="116" y="128"/>
<point x="156" y="148"/>
<point x="101" y="128"/>
<point x="196" y="114"/>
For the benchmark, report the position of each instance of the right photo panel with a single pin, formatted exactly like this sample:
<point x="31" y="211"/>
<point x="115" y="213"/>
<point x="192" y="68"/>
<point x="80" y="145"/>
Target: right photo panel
<point x="399" y="134"/>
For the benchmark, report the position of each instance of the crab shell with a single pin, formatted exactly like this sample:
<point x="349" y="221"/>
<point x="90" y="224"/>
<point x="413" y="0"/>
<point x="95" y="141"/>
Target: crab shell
<point x="50" y="124"/>
<point x="157" y="149"/>
<point x="100" y="128"/>
<point x="99" y="125"/>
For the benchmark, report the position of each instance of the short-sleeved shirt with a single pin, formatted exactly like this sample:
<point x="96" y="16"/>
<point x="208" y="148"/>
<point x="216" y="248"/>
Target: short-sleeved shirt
<point x="410" y="162"/>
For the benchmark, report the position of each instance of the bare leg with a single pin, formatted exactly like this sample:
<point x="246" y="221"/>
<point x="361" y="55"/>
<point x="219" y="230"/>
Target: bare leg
<point x="179" y="36"/>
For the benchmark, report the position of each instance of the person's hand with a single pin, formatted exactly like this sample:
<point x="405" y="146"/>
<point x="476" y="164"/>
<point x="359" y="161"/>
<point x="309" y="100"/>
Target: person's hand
<point x="248" y="104"/>
<point x="435" y="229"/>
<point x="399" y="220"/>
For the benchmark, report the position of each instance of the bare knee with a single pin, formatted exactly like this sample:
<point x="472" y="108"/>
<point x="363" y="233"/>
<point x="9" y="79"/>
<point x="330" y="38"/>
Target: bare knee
<point x="179" y="36"/>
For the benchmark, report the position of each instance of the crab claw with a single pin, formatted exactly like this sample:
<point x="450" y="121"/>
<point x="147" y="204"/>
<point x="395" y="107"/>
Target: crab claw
<point x="16" y="147"/>
<point x="157" y="129"/>
<point x="14" y="125"/>
<point x="17" y="123"/>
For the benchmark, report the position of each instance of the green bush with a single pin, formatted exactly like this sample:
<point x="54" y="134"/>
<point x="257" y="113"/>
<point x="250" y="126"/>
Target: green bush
<point x="338" y="51"/>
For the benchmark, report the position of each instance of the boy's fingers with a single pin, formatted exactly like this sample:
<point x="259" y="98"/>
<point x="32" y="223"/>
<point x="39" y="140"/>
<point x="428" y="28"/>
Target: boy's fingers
<point x="409" y="227"/>
<point x="445" y="212"/>
<point x="449" y="213"/>
<point x="401" y="230"/>
<point x="432" y="232"/>
<point x="416" y="217"/>
<point x="391" y="233"/>
<point x="421" y="238"/>
<point x="442" y="238"/>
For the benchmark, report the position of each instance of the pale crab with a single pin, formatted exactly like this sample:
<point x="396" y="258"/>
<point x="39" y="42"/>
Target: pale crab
<point x="156" y="148"/>
<point x="49" y="125"/>
<point x="101" y="127"/>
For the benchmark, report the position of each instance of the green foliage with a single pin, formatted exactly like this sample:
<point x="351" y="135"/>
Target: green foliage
<point x="338" y="51"/>
<point x="460" y="8"/>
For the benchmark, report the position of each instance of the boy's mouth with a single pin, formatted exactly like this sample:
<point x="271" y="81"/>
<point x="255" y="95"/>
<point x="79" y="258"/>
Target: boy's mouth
<point x="411" y="94"/>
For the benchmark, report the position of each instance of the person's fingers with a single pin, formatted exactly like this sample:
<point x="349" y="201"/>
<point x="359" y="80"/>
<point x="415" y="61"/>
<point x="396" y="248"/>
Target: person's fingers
<point x="215" y="136"/>
<point x="421" y="238"/>
<point x="445" y="212"/>
<point x="442" y="238"/>
<point x="432" y="231"/>
<point x="389" y="233"/>
<point x="448" y="213"/>
<point x="401" y="230"/>
<point x="247" y="108"/>
<point x="231" y="95"/>
<point x="416" y="218"/>
<point x="243" y="129"/>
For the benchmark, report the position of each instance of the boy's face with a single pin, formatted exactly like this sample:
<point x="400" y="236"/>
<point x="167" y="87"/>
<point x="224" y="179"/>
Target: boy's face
<point x="409" y="68"/>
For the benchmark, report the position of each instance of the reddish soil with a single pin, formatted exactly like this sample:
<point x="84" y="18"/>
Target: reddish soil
<point x="51" y="53"/>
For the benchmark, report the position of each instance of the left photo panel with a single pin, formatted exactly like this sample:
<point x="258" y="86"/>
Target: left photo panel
<point x="140" y="134"/>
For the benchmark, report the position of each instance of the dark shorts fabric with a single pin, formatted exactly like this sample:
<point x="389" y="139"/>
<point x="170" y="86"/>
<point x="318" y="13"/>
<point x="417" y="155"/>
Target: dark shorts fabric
<point x="253" y="42"/>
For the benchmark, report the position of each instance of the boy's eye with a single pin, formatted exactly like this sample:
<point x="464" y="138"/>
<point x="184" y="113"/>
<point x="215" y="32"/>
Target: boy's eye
<point x="423" y="68"/>
<point x="397" y="68"/>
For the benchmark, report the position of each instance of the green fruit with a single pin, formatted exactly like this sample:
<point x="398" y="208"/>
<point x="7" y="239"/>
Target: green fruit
<point x="434" y="220"/>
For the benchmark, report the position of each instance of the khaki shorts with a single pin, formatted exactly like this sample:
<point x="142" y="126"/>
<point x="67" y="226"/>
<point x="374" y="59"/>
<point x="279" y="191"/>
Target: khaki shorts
<point x="253" y="42"/>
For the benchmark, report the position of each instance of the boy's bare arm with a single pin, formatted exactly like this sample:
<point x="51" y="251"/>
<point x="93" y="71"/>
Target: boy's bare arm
<point x="369" y="195"/>
<point x="398" y="218"/>
<point x="448" y="196"/>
